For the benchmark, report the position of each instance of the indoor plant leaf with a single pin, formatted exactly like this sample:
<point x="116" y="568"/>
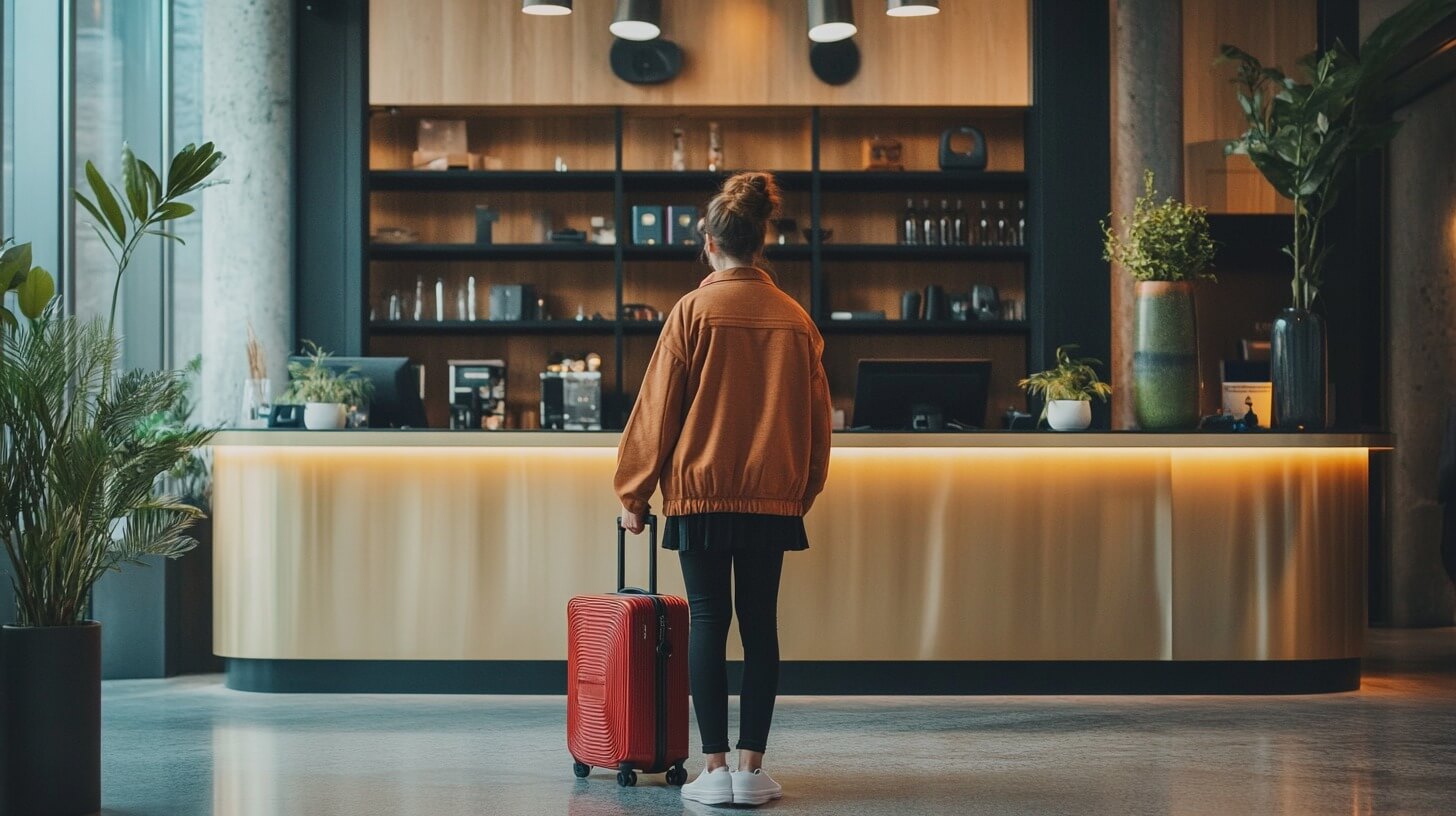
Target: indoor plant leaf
<point x="36" y="292"/>
<point x="106" y="201"/>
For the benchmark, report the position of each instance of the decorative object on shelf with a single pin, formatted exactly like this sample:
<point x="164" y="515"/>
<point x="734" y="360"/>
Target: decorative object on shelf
<point x="682" y="225"/>
<point x="929" y="226"/>
<point x="546" y="8"/>
<point x="1020" y="239"/>
<point x="257" y="390"/>
<point x="679" y="150"/>
<point x="646" y="63"/>
<point x="715" y="148"/>
<point x="1302" y="136"/>
<point x="325" y="392"/>
<point x="477" y="394"/>
<point x="1166" y="247"/>
<point x="439" y="300"/>
<point x="785" y="231"/>
<point x="878" y="153"/>
<point x="935" y="305"/>
<point x="983" y="234"/>
<point x="639" y="312"/>
<point x="824" y="234"/>
<point x="1246" y="382"/>
<point x="442" y="145"/>
<point x="910" y="305"/>
<point x="601" y="233"/>
<point x="566" y="235"/>
<point x="946" y="234"/>
<point x="960" y="225"/>
<point x="865" y="314"/>
<point x="960" y="306"/>
<point x="963" y="149"/>
<point x="637" y="20"/>
<point x="1013" y="309"/>
<point x="485" y="218"/>
<point x="515" y="301"/>
<point x="909" y="229"/>
<point x="985" y="302"/>
<point x="831" y="20"/>
<point x="1003" y="225"/>
<point x="419" y="302"/>
<point x="1068" y="390"/>
<point x="395" y="235"/>
<point x="559" y="164"/>
<point x="834" y="63"/>
<point x="647" y="225"/>
<point x="911" y="8"/>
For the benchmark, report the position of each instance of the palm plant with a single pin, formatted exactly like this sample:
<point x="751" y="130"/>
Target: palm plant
<point x="81" y="463"/>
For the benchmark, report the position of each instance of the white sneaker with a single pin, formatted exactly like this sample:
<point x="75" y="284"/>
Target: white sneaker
<point x="754" y="787"/>
<point x="711" y="788"/>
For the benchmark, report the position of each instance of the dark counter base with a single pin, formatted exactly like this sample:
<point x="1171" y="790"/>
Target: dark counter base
<point x="820" y="677"/>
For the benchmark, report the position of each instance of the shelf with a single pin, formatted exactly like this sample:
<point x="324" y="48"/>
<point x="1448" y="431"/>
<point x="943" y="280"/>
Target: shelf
<point x="490" y="252"/>
<point x="643" y="252"/>
<point x="950" y="183"/>
<point x="481" y="327"/>
<point x="700" y="180"/>
<point x="438" y="180"/>
<point x="889" y="326"/>
<point x="901" y="252"/>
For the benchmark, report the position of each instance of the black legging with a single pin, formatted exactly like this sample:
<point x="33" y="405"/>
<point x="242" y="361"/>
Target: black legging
<point x="706" y="574"/>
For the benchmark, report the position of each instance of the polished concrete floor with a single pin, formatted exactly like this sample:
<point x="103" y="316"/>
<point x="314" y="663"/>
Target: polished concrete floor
<point x="191" y="747"/>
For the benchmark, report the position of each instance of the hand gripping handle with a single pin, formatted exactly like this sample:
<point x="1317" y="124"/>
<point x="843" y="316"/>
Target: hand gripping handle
<point x="651" y="557"/>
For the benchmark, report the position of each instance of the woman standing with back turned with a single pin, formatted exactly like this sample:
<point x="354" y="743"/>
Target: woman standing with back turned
<point x="733" y="421"/>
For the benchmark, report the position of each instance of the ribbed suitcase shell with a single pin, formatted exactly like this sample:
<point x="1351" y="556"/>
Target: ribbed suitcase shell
<point x="611" y="702"/>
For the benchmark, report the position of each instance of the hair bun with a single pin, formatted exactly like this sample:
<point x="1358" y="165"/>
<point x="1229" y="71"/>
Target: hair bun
<point x="753" y="195"/>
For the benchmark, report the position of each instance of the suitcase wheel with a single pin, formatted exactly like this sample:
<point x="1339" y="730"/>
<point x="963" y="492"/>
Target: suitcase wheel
<point x="626" y="778"/>
<point x="580" y="769"/>
<point x="677" y="775"/>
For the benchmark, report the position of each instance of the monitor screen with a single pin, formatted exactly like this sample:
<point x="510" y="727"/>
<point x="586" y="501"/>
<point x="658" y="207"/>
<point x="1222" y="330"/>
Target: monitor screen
<point x="927" y="395"/>
<point x="396" y="401"/>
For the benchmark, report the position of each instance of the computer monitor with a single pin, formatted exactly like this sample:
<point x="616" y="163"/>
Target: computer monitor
<point x="395" y="402"/>
<point x="928" y="395"/>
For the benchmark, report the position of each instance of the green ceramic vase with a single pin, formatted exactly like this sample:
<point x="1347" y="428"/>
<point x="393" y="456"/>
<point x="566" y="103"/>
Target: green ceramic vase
<point x="1165" y="357"/>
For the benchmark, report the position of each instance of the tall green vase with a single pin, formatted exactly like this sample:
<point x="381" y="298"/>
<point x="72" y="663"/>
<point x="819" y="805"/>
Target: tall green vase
<point x="1165" y="357"/>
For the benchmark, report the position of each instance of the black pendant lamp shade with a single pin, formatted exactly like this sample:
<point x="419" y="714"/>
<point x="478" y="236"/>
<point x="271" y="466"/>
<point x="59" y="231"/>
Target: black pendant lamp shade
<point x="912" y="8"/>
<point x="546" y="8"/>
<point x="831" y="20"/>
<point x="638" y="20"/>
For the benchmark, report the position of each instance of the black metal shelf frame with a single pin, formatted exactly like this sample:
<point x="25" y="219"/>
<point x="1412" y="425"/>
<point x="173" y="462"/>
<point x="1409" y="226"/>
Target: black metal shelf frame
<point x="621" y="183"/>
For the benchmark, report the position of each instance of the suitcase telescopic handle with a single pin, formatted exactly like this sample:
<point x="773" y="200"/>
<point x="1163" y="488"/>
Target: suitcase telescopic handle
<point x="651" y="556"/>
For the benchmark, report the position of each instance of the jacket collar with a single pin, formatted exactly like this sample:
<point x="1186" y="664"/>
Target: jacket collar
<point x="747" y="273"/>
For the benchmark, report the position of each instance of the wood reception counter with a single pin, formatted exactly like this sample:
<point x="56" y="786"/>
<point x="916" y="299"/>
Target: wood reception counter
<point x="1007" y="562"/>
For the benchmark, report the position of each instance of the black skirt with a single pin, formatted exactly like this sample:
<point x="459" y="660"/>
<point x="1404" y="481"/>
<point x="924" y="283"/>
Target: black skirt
<point x="733" y="532"/>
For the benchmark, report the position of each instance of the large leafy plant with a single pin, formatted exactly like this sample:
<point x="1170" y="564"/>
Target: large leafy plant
<point x="82" y="465"/>
<point x="191" y="478"/>
<point x="1303" y="135"/>
<point x="1073" y="378"/>
<point x="1160" y="241"/>
<point x="316" y="381"/>
<point x="33" y="287"/>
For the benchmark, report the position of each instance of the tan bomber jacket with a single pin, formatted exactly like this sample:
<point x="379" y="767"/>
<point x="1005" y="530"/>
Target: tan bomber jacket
<point x="734" y="412"/>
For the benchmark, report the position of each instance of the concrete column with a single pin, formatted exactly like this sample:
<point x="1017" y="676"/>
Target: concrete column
<point x="247" y="254"/>
<point x="1147" y="122"/>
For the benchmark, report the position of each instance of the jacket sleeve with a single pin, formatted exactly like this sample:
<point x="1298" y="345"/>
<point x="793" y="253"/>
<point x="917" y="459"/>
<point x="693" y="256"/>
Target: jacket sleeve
<point x="821" y="423"/>
<point x="656" y="422"/>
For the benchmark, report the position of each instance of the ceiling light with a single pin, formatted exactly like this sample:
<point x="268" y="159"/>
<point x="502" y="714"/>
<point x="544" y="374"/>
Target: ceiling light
<point x="546" y="8"/>
<point x="911" y="8"/>
<point x="831" y="20"/>
<point x="638" y="19"/>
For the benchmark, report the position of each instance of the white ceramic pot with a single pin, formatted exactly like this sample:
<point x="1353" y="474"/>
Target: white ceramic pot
<point x="1069" y="415"/>
<point x="323" y="416"/>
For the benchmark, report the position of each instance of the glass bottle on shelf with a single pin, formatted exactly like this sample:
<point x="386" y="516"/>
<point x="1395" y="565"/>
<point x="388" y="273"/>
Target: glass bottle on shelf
<point x="679" y="152"/>
<point x="470" y="298"/>
<point x="419" y="304"/>
<point x="983" y="226"/>
<point x="1001" y="223"/>
<point x="1021" y="222"/>
<point x="947" y="238"/>
<point x="959" y="224"/>
<point x="909" y="223"/>
<point x="460" y="307"/>
<point x="715" y="148"/>
<point x="439" y="300"/>
<point x="929" y="227"/>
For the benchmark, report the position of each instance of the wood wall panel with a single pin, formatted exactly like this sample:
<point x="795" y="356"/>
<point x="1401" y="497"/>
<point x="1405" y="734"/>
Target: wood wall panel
<point x="1278" y="32"/>
<point x="737" y="52"/>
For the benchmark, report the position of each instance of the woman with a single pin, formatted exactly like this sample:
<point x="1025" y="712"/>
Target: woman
<point x="733" y="422"/>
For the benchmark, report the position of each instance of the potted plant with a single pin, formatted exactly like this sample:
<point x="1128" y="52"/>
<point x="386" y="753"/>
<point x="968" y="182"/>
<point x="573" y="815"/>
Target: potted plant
<point x="324" y="392"/>
<point x="1165" y="246"/>
<point x="1302" y="137"/>
<point x="1068" y="390"/>
<point x="79" y="497"/>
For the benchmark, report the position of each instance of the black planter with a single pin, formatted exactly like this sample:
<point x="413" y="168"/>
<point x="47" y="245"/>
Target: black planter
<point x="50" y="720"/>
<point x="1298" y="367"/>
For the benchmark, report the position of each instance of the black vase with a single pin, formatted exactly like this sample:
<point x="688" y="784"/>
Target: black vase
<point x="1297" y="365"/>
<point x="50" y="719"/>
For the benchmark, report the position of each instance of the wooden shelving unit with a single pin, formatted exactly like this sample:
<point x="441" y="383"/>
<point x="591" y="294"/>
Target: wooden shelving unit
<point x="623" y="156"/>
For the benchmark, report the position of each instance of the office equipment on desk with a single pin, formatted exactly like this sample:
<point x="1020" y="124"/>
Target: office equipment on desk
<point x="647" y="225"/>
<point x="397" y="400"/>
<point x="921" y="395"/>
<point x="286" y="416"/>
<point x="571" y="400"/>
<point x="477" y="394"/>
<point x="512" y="302"/>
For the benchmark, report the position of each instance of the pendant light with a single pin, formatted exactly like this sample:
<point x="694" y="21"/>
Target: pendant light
<point x="546" y="8"/>
<point x="831" y="20"/>
<point x="912" y="8"/>
<point x="638" y="20"/>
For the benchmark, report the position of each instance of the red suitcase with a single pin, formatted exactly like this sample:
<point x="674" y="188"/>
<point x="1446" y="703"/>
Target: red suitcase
<point x="627" y="677"/>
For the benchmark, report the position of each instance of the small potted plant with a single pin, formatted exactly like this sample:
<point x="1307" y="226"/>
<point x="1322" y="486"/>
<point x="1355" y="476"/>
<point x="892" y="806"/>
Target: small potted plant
<point x="1165" y="246"/>
<point x="324" y="392"/>
<point x="1068" y="390"/>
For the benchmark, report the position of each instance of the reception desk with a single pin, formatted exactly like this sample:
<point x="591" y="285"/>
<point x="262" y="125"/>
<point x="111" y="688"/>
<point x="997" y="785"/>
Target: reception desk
<point x="939" y="563"/>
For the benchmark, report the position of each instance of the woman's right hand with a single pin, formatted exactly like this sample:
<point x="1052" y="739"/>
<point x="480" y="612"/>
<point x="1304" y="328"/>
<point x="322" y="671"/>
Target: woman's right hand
<point x="632" y="522"/>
